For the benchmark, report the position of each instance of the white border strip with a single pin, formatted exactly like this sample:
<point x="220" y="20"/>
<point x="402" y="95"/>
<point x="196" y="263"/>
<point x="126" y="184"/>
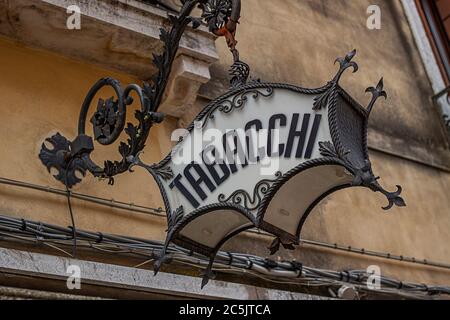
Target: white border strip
<point x="15" y="262"/>
<point x="426" y="52"/>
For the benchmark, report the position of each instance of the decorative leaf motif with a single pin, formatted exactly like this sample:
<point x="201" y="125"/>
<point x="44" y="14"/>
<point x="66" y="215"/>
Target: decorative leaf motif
<point x="59" y="158"/>
<point x="364" y="177"/>
<point x="104" y="119"/>
<point x="239" y="73"/>
<point x="328" y="150"/>
<point x="321" y="101"/>
<point x="347" y="62"/>
<point x="216" y="13"/>
<point x="208" y="274"/>
<point x="277" y="243"/>
<point x="111" y="115"/>
<point x="175" y="217"/>
<point x="393" y="198"/>
<point x="275" y="246"/>
<point x="166" y="173"/>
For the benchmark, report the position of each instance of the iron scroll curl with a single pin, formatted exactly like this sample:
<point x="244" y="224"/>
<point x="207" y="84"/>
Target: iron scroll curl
<point x="109" y="120"/>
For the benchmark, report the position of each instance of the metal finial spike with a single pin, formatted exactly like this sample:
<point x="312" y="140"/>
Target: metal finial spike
<point x="156" y="267"/>
<point x="346" y="63"/>
<point x="321" y="101"/>
<point x="377" y="92"/>
<point x="162" y="255"/>
<point x="380" y="85"/>
<point x="350" y="55"/>
<point x="394" y="198"/>
<point x="209" y="274"/>
<point x="205" y="281"/>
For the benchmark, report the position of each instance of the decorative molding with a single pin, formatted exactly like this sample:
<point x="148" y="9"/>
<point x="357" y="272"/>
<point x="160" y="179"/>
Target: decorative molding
<point x="15" y="263"/>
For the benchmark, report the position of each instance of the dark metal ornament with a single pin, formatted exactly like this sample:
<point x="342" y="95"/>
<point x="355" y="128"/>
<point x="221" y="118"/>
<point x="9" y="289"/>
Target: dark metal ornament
<point x="59" y="158"/>
<point x="347" y="119"/>
<point x="250" y="202"/>
<point x="109" y="120"/>
<point x="239" y="72"/>
<point x="348" y="126"/>
<point x="104" y="120"/>
<point x="216" y="13"/>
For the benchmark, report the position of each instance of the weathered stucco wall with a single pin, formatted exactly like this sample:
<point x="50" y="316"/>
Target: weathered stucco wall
<point x="287" y="41"/>
<point x="297" y="41"/>
<point x="43" y="94"/>
<point x="354" y="218"/>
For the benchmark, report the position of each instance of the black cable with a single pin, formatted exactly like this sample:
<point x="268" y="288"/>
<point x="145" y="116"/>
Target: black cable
<point x="120" y="244"/>
<point x="157" y="212"/>
<point x="69" y="203"/>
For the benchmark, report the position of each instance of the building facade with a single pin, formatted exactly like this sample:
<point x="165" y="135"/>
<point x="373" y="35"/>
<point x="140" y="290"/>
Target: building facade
<point x="47" y="66"/>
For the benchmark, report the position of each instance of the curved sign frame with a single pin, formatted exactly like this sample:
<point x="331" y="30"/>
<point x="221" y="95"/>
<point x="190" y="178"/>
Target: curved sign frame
<point x="325" y="150"/>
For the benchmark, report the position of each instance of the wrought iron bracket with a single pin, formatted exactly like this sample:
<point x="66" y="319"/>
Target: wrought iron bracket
<point x="109" y="120"/>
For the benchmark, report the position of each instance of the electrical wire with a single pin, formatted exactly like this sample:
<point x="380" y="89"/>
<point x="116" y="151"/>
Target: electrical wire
<point x="159" y="212"/>
<point x="72" y="218"/>
<point x="281" y="272"/>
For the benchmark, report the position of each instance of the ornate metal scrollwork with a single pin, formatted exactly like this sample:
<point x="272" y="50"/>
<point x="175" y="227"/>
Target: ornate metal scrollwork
<point x="166" y="173"/>
<point x="237" y="102"/>
<point x="278" y="242"/>
<point x="328" y="150"/>
<point x="109" y="120"/>
<point x="239" y="72"/>
<point x="363" y="176"/>
<point x="222" y="17"/>
<point x="104" y="120"/>
<point x="243" y="198"/>
<point x="174" y="217"/>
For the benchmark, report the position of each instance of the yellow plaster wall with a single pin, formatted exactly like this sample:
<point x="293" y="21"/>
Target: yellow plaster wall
<point x="42" y="94"/>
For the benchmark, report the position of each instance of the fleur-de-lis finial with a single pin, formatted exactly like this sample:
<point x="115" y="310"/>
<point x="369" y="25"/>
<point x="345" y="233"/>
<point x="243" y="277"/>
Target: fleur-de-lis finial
<point x="377" y="92"/>
<point x="321" y="101"/>
<point x="346" y="63"/>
